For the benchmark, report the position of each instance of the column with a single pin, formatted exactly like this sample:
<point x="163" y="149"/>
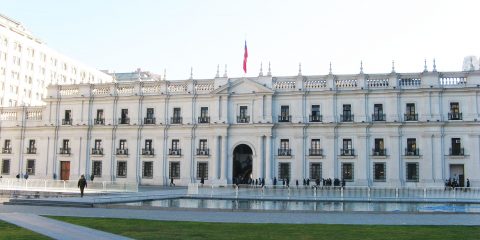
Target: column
<point x="218" y="152"/>
<point x="223" y="166"/>
<point x="268" y="160"/>
<point x="259" y="170"/>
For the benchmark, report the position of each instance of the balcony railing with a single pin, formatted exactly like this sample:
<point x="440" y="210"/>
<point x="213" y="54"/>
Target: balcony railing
<point x="65" y="151"/>
<point x="122" y="151"/>
<point x="204" y="119"/>
<point x="347" y="152"/>
<point x="124" y="120"/>
<point x="284" y="118"/>
<point x="410" y="116"/>
<point x="148" y="151"/>
<point x="203" y="151"/>
<point x="150" y="120"/>
<point x="412" y="152"/>
<point x="7" y="150"/>
<point x="32" y="150"/>
<point x="379" y="152"/>
<point x="175" y="151"/>
<point x="67" y="121"/>
<point x="97" y="151"/>
<point x="243" y="119"/>
<point x="456" y="152"/>
<point x="379" y="117"/>
<point x="454" y="116"/>
<point x="315" y="118"/>
<point x="99" y="121"/>
<point x="176" y="120"/>
<point x="346" y="117"/>
<point x="284" y="152"/>
<point x="315" y="152"/>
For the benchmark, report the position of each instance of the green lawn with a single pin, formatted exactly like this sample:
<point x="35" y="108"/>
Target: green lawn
<point x="10" y="231"/>
<point x="149" y="229"/>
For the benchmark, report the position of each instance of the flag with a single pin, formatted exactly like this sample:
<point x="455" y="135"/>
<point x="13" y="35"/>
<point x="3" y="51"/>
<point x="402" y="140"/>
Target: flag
<point x="245" y="56"/>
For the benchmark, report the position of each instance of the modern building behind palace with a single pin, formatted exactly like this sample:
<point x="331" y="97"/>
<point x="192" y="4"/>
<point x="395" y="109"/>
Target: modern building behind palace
<point x="392" y="129"/>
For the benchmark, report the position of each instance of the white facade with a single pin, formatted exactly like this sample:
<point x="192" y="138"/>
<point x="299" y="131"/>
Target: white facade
<point x="393" y="129"/>
<point x="28" y="66"/>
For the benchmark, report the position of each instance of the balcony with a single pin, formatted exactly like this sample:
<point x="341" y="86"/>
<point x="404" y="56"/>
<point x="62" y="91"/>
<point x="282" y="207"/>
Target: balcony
<point x="284" y="152"/>
<point x="346" y="117"/>
<point x="377" y="117"/>
<point x="31" y="150"/>
<point x="99" y="121"/>
<point x="379" y="152"/>
<point x="150" y="120"/>
<point x="285" y="118"/>
<point x="203" y="151"/>
<point x="176" y="120"/>
<point x="175" y="151"/>
<point x="67" y="121"/>
<point x="7" y="150"/>
<point x="412" y="152"/>
<point x="456" y="152"/>
<point x="315" y="152"/>
<point x="124" y="120"/>
<point x="65" y="151"/>
<point x="315" y="118"/>
<point x="204" y="119"/>
<point x="410" y="117"/>
<point x="122" y="151"/>
<point x="347" y="152"/>
<point x="454" y="116"/>
<point x="97" y="151"/>
<point x="243" y="119"/>
<point x="148" y="151"/>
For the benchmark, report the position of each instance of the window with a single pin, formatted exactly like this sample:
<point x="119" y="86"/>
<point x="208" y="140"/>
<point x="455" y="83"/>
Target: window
<point x="123" y="144"/>
<point x="315" y="117"/>
<point x="7" y="147"/>
<point x="177" y="118"/>
<point x="149" y="119"/>
<point x="456" y="147"/>
<point x="147" y="169"/>
<point x="284" y="114"/>
<point x="124" y="119"/>
<point x="202" y="170"/>
<point x="203" y="144"/>
<point x="122" y="147"/>
<point x="410" y="114"/>
<point x="121" y="169"/>
<point x="412" y="172"/>
<point x="379" y="149"/>
<point x="98" y="143"/>
<point x="315" y="149"/>
<point x="284" y="149"/>
<point x="347" y="113"/>
<point x="284" y="170"/>
<point x="411" y="149"/>
<point x="6" y="166"/>
<point x="99" y="119"/>
<point x="347" y="149"/>
<point x="65" y="147"/>
<point x="148" y="150"/>
<point x="243" y="117"/>
<point x="97" y="168"/>
<point x="315" y="171"/>
<point x="379" y="172"/>
<point x="31" y="167"/>
<point x="68" y="118"/>
<point x="174" y="170"/>
<point x="31" y="147"/>
<point x="347" y="172"/>
<point x="454" y="113"/>
<point x="204" y="118"/>
<point x="175" y="150"/>
<point x="378" y="114"/>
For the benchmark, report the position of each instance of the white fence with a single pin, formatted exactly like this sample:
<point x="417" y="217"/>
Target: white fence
<point x="339" y="193"/>
<point x="65" y="186"/>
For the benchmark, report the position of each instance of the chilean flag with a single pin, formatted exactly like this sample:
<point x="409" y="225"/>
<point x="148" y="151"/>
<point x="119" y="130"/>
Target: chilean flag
<point x="245" y="56"/>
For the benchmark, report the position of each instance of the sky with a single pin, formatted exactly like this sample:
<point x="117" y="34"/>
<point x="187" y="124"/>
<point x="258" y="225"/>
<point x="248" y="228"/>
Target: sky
<point x="123" y="35"/>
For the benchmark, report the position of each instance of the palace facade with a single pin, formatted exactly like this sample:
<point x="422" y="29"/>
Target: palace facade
<point x="392" y="129"/>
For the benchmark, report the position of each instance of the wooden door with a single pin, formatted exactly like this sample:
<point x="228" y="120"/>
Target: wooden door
<point x="64" y="170"/>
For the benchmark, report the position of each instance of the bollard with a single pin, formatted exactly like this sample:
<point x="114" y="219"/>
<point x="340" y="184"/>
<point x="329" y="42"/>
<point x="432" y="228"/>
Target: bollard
<point x="425" y="194"/>
<point x="396" y="193"/>
<point x="368" y="193"/>
<point x="236" y="191"/>
<point x="341" y="193"/>
<point x="64" y="183"/>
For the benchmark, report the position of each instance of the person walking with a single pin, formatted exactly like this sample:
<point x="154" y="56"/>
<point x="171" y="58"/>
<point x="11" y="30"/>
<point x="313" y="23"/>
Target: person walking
<point x="82" y="184"/>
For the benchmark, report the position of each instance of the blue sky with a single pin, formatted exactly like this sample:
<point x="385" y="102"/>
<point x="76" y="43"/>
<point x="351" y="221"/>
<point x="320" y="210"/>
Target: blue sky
<point x="124" y="35"/>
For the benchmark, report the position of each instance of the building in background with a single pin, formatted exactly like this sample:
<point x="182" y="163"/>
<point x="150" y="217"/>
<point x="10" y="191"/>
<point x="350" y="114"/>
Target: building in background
<point x="28" y="66"/>
<point x="391" y="129"/>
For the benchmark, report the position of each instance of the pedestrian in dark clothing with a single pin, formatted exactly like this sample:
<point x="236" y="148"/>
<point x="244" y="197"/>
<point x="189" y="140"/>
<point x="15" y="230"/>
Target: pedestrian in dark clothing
<point x="274" y="181"/>
<point x="26" y="176"/>
<point x="308" y="181"/>
<point x="82" y="184"/>
<point x="468" y="182"/>
<point x="288" y="182"/>
<point x="304" y="182"/>
<point x="18" y="176"/>
<point x="343" y="183"/>
<point x="296" y="182"/>
<point x="171" y="182"/>
<point x="92" y="177"/>
<point x="202" y="181"/>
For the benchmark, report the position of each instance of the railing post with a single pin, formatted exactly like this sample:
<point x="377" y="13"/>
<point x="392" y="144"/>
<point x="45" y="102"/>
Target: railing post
<point x="396" y="193"/>
<point x="425" y="194"/>
<point x="315" y="193"/>
<point x="341" y="193"/>
<point x="104" y="187"/>
<point x="454" y="194"/>
<point x="236" y="191"/>
<point x="64" y="185"/>
<point x="26" y="184"/>
<point x="368" y="190"/>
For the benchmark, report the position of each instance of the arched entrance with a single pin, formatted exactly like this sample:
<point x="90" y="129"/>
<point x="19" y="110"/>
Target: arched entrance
<point x="242" y="164"/>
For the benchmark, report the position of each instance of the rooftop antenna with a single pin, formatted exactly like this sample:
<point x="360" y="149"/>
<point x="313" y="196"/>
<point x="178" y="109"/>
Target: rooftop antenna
<point x="299" y="69"/>
<point x="434" y="65"/>
<point x="218" y="71"/>
<point x="472" y="68"/>
<point x="261" y="70"/>
<point x="191" y="72"/>
<point x="164" y="74"/>
<point x="269" y="70"/>
<point x="425" y="65"/>
<point x="330" y="68"/>
<point x="225" y="73"/>
<point x="393" y="66"/>
<point x="361" y="67"/>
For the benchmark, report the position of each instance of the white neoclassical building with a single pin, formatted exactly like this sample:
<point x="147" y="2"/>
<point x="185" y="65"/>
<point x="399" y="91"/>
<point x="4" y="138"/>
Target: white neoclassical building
<point x="28" y="66"/>
<point x="392" y="129"/>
